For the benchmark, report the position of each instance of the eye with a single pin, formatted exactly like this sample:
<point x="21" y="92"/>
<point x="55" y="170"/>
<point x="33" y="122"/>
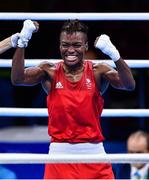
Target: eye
<point x="64" y="45"/>
<point x="77" y="45"/>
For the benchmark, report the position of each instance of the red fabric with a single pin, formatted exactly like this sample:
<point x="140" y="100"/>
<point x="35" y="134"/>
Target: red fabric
<point x="74" y="108"/>
<point x="74" y="116"/>
<point x="78" y="171"/>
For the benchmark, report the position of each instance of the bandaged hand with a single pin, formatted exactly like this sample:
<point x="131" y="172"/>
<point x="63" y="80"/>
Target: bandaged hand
<point x="22" y="43"/>
<point x="104" y="43"/>
<point x="14" y="39"/>
<point x="29" y="27"/>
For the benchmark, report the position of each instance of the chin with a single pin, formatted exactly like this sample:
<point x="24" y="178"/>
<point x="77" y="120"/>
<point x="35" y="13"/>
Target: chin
<point x="71" y="63"/>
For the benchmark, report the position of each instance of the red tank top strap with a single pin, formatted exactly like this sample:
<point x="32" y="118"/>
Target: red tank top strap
<point x="74" y="108"/>
<point x="58" y="69"/>
<point x="89" y="63"/>
<point x="89" y="70"/>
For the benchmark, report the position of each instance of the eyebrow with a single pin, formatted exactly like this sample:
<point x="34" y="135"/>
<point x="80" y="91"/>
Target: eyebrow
<point x="72" y="43"/>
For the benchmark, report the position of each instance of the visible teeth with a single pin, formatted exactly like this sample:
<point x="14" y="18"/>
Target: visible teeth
<point x="71" y="57"/>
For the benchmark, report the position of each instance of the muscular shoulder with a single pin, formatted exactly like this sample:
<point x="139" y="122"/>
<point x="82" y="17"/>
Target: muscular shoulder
<point x="46" y="65"/>
<point x="99" y="71"/>
<point x="48" y="68"/>
<point x="101" y="68"/>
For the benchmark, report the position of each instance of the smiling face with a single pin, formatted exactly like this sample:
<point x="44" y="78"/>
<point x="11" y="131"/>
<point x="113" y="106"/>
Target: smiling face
<point x="73" y="47"/>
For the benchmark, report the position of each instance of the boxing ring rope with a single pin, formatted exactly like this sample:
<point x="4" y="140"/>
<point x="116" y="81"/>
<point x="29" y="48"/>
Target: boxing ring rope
<point x="43" y="112"/>
<point x="24" y="158"/>
<point x="133" y="63"/>
<point x="81" y="16"/>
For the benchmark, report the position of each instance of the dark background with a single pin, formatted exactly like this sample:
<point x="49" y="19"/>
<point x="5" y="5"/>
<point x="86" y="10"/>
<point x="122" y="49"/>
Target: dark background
<point x="130" y="37"/>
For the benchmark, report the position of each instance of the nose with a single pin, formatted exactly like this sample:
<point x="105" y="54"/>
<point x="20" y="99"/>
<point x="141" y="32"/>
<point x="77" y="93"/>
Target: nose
<point x="71" y="49"/>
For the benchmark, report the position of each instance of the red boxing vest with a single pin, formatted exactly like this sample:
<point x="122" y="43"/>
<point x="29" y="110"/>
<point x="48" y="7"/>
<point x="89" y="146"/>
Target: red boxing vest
<point x="74" y="108"/>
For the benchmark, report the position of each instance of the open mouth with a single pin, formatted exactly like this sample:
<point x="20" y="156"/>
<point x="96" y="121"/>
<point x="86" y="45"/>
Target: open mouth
<point x="71" y="58"/>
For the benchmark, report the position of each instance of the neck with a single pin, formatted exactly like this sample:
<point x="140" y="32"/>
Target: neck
<point x="73" y="69"/>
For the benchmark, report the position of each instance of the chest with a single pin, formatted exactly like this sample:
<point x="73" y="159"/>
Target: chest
<point x="73" y="77"/>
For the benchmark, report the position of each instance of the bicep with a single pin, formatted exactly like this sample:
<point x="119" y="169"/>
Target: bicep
<point x="112" y="76"/>
<point x="33" y="75"/>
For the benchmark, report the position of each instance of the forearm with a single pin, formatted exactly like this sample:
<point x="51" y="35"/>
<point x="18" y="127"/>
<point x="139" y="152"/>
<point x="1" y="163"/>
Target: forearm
<point x="17" y="72"/>
<point x="124" y="78"/>
<point x="5" y="45"/>
<point x="125" y="74"/>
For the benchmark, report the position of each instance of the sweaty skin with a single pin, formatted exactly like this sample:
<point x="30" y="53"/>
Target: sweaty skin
<point x="72" y="47"/>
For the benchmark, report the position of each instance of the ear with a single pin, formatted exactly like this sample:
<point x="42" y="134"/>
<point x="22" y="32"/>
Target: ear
<point x="86" y="46"/>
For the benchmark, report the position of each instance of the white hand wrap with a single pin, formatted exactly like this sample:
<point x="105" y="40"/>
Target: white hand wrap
<point x="28" y="29"/>
<point x="26" y="33"/>
<point x="106" y="46"/>
<point x="14" y="39"/>
<point x="22" y="43"/>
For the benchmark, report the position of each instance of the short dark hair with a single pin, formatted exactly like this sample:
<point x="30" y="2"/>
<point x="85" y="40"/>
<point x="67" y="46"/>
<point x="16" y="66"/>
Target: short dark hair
<point x="72" y="26"/>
